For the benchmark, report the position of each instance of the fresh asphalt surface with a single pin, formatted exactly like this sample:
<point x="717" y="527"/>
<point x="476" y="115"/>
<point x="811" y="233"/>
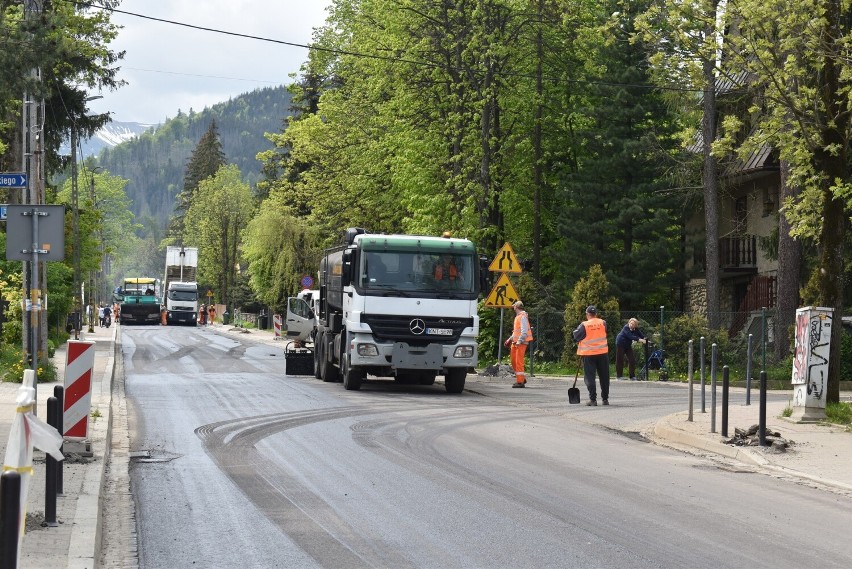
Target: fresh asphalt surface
<point x="240" y="465"/>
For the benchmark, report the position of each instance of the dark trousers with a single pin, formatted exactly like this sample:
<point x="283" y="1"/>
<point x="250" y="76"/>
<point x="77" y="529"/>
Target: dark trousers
<point x="596" y="364"/>
<point x="620" y="353"/>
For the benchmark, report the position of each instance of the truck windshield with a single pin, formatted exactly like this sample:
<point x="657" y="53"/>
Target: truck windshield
<point x="417" y="271"/>
<point x="186" y="295"/>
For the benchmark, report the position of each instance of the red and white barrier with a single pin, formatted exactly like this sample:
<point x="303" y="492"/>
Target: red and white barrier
<point x="276" y="323"/>
<point x="79" y="361"/>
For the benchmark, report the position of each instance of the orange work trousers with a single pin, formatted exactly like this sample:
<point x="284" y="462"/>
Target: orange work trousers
<point x="517" y="353"/>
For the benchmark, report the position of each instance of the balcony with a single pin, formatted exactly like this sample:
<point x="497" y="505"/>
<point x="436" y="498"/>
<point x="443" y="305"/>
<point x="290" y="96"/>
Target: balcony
<point x="736" y="254"/>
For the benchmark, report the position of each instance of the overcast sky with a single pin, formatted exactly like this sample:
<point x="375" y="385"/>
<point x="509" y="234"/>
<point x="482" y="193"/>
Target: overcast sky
<point x="170" y="67"/>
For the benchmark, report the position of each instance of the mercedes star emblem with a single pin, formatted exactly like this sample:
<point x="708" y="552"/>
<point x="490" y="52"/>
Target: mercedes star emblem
<point x="417" y="326"/>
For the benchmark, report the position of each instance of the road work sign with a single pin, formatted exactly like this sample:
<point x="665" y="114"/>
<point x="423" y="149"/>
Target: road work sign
<point x="503" y="294"/>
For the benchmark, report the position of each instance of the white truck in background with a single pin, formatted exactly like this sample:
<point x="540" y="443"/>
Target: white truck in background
<point x="301" y="319"/>
<point x="180" y="289"/>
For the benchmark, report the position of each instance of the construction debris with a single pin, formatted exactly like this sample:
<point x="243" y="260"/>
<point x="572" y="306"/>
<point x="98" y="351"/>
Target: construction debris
<point x="750" y="437"/>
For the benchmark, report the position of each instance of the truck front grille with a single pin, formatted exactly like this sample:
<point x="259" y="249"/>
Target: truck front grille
<point x="399" y="328"/>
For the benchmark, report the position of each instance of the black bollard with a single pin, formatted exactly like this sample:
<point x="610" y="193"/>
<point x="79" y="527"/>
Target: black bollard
<point x="10" y="518"/>
<point x="59" y="393"/>
<point x="50" y="471"/>
<point x="761" y="426"/>
<point x="725" y="386"/>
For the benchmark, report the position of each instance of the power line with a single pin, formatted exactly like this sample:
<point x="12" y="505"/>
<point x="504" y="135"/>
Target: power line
<point x="389" y="58"/>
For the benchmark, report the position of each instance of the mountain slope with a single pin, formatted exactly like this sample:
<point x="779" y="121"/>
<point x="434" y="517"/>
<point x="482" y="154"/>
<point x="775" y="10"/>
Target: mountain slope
<point x="154" y="162"/>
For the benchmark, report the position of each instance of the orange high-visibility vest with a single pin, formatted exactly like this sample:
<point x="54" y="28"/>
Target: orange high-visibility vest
<point x="595" y="341"/>
<point x="452" y="272"/>
<point x="522" y="331"/>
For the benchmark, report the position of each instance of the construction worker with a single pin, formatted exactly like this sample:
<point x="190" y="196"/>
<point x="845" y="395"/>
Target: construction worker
<point x="592" y="347"/>
<point x="446" y="270"/>
<point x="520" y="338"/>
<point x="202" y="315"/>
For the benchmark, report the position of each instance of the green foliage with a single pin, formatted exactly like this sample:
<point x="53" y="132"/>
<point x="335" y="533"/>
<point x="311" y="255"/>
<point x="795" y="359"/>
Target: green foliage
<point x="592" y="289"/>
<point x="222" y="207"/>
<point x="13" y="365"/>
<point x="280" y="249"/>
<point x="839" y="413"/>
<point x="155" y="162"/>
<point x="676" y="336"/>
<point x="846" y="357"/>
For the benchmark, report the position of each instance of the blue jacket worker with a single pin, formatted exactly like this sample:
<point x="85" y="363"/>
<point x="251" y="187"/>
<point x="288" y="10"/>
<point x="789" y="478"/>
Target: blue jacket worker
<point x="624" y="348"/>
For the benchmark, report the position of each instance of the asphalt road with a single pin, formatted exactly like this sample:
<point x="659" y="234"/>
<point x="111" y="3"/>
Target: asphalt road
<point x="239" y="465"/>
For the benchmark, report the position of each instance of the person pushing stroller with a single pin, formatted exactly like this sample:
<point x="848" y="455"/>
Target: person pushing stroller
<point x="624" y="348"/>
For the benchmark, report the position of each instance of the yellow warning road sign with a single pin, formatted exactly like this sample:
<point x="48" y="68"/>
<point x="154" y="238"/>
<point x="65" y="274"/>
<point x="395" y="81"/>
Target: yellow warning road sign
<point x="506" y="261"/>
<point x="503" y="294"/>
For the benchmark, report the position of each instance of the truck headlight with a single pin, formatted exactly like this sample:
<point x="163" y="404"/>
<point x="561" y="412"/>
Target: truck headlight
<point x="463" y="352"/>
<point x="368" y="350"/>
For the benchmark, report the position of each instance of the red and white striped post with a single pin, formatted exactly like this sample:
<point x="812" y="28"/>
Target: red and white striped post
<point x="276" y="323"/>
<point x="79" y="361"/>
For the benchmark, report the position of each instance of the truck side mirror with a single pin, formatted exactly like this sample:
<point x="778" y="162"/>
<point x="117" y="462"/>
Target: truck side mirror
<point x="346" y="273"/>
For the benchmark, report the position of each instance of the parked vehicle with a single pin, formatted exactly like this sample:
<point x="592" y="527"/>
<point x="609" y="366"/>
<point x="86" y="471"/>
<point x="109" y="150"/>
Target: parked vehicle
<point x="385" y="309"/>
<point x="180" y="300"/>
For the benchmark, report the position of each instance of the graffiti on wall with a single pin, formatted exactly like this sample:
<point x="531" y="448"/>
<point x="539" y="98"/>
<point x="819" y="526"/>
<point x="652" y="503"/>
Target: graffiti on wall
<point x="810" y="360"/>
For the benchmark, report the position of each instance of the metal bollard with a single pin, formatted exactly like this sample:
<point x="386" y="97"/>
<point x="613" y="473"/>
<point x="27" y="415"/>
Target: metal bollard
<point x="701" y="357"/>
<point x="713" y="388"/>
<point x="10" y="518"/>
<point x="761" y="426"/>
<point x="748" y="371"/>
<point x="50" y="471"/>
<point x="59" y="393"/>
<point x="689" y="375"/>
<point x="725" y="386"/>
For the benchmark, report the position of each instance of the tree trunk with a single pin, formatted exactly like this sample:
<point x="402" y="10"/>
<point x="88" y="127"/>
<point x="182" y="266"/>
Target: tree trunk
<point x="711" y="196"/>
<point x="789" y="272"/>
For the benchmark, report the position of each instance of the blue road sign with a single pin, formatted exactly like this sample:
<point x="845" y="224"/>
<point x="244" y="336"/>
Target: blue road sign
<point x="307" y="281"/>
<point x="3" y="212"/>
<point x="13" y="180"/>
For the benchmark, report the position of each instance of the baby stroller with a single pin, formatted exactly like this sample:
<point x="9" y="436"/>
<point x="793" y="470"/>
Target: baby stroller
<point x="655" y="360"/>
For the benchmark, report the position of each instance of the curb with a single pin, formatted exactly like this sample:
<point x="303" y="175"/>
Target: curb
<point x="84" y="550"/>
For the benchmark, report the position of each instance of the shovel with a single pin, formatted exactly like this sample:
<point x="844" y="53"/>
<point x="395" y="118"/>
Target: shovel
<point x="573" y="392"/>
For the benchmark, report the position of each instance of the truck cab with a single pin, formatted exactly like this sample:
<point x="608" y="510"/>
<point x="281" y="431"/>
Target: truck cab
<point x="181" y="303"/>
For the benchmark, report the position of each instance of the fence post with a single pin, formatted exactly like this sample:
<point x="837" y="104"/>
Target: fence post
<point x="702" y="356"/>
<point x="662" y="326"/>
<point x="761" y="426"/>
<point x="532" y="346"/>
<point x="763" y="334"/>
<point x="713" y="388"/>
<point x="725" y="386"/>
<point x="689" y="375"/>
<point x="59" y="393"/>
<point x="748" y="370"/>
<point x="10" y="518"/>
<point x="50" y="470"/>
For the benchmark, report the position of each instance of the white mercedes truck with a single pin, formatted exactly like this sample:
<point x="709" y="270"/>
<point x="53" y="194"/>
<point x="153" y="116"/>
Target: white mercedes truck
<point x="386" y="309"/>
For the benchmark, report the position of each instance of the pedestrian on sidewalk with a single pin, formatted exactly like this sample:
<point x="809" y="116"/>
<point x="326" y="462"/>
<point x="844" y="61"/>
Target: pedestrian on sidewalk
<point x="592" y="347"/>
<point x="624" y="348"/>
<point x="520" y="338"/>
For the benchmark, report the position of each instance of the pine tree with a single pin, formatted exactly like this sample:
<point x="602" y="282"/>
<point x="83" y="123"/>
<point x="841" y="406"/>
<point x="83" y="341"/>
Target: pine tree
<point x="206" y="160"/>
<point x="615" y="214"/>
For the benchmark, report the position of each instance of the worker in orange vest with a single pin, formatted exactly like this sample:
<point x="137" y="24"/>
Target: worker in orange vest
<point x="592" y="347"/>
<point x="446" y="270"/>
<point x="519" y="340"/>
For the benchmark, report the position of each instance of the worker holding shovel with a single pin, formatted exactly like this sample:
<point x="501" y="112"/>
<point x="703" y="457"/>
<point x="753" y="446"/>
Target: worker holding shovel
<point x="592" y="347"/>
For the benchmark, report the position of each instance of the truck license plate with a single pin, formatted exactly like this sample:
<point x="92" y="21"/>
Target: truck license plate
<point x="440" y="331"/>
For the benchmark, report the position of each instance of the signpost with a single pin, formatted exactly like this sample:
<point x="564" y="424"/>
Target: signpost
<point x="13" y="180"/>
<point x="503" y="295"/>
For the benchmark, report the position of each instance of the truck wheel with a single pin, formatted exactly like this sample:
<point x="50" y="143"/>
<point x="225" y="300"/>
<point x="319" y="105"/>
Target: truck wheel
<point x="427" y="377"/>
<point x="352" y="378"/>
<point x="329" y="372"/>
<point x="317" y="368"/>
<point x="454" y="379"/>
